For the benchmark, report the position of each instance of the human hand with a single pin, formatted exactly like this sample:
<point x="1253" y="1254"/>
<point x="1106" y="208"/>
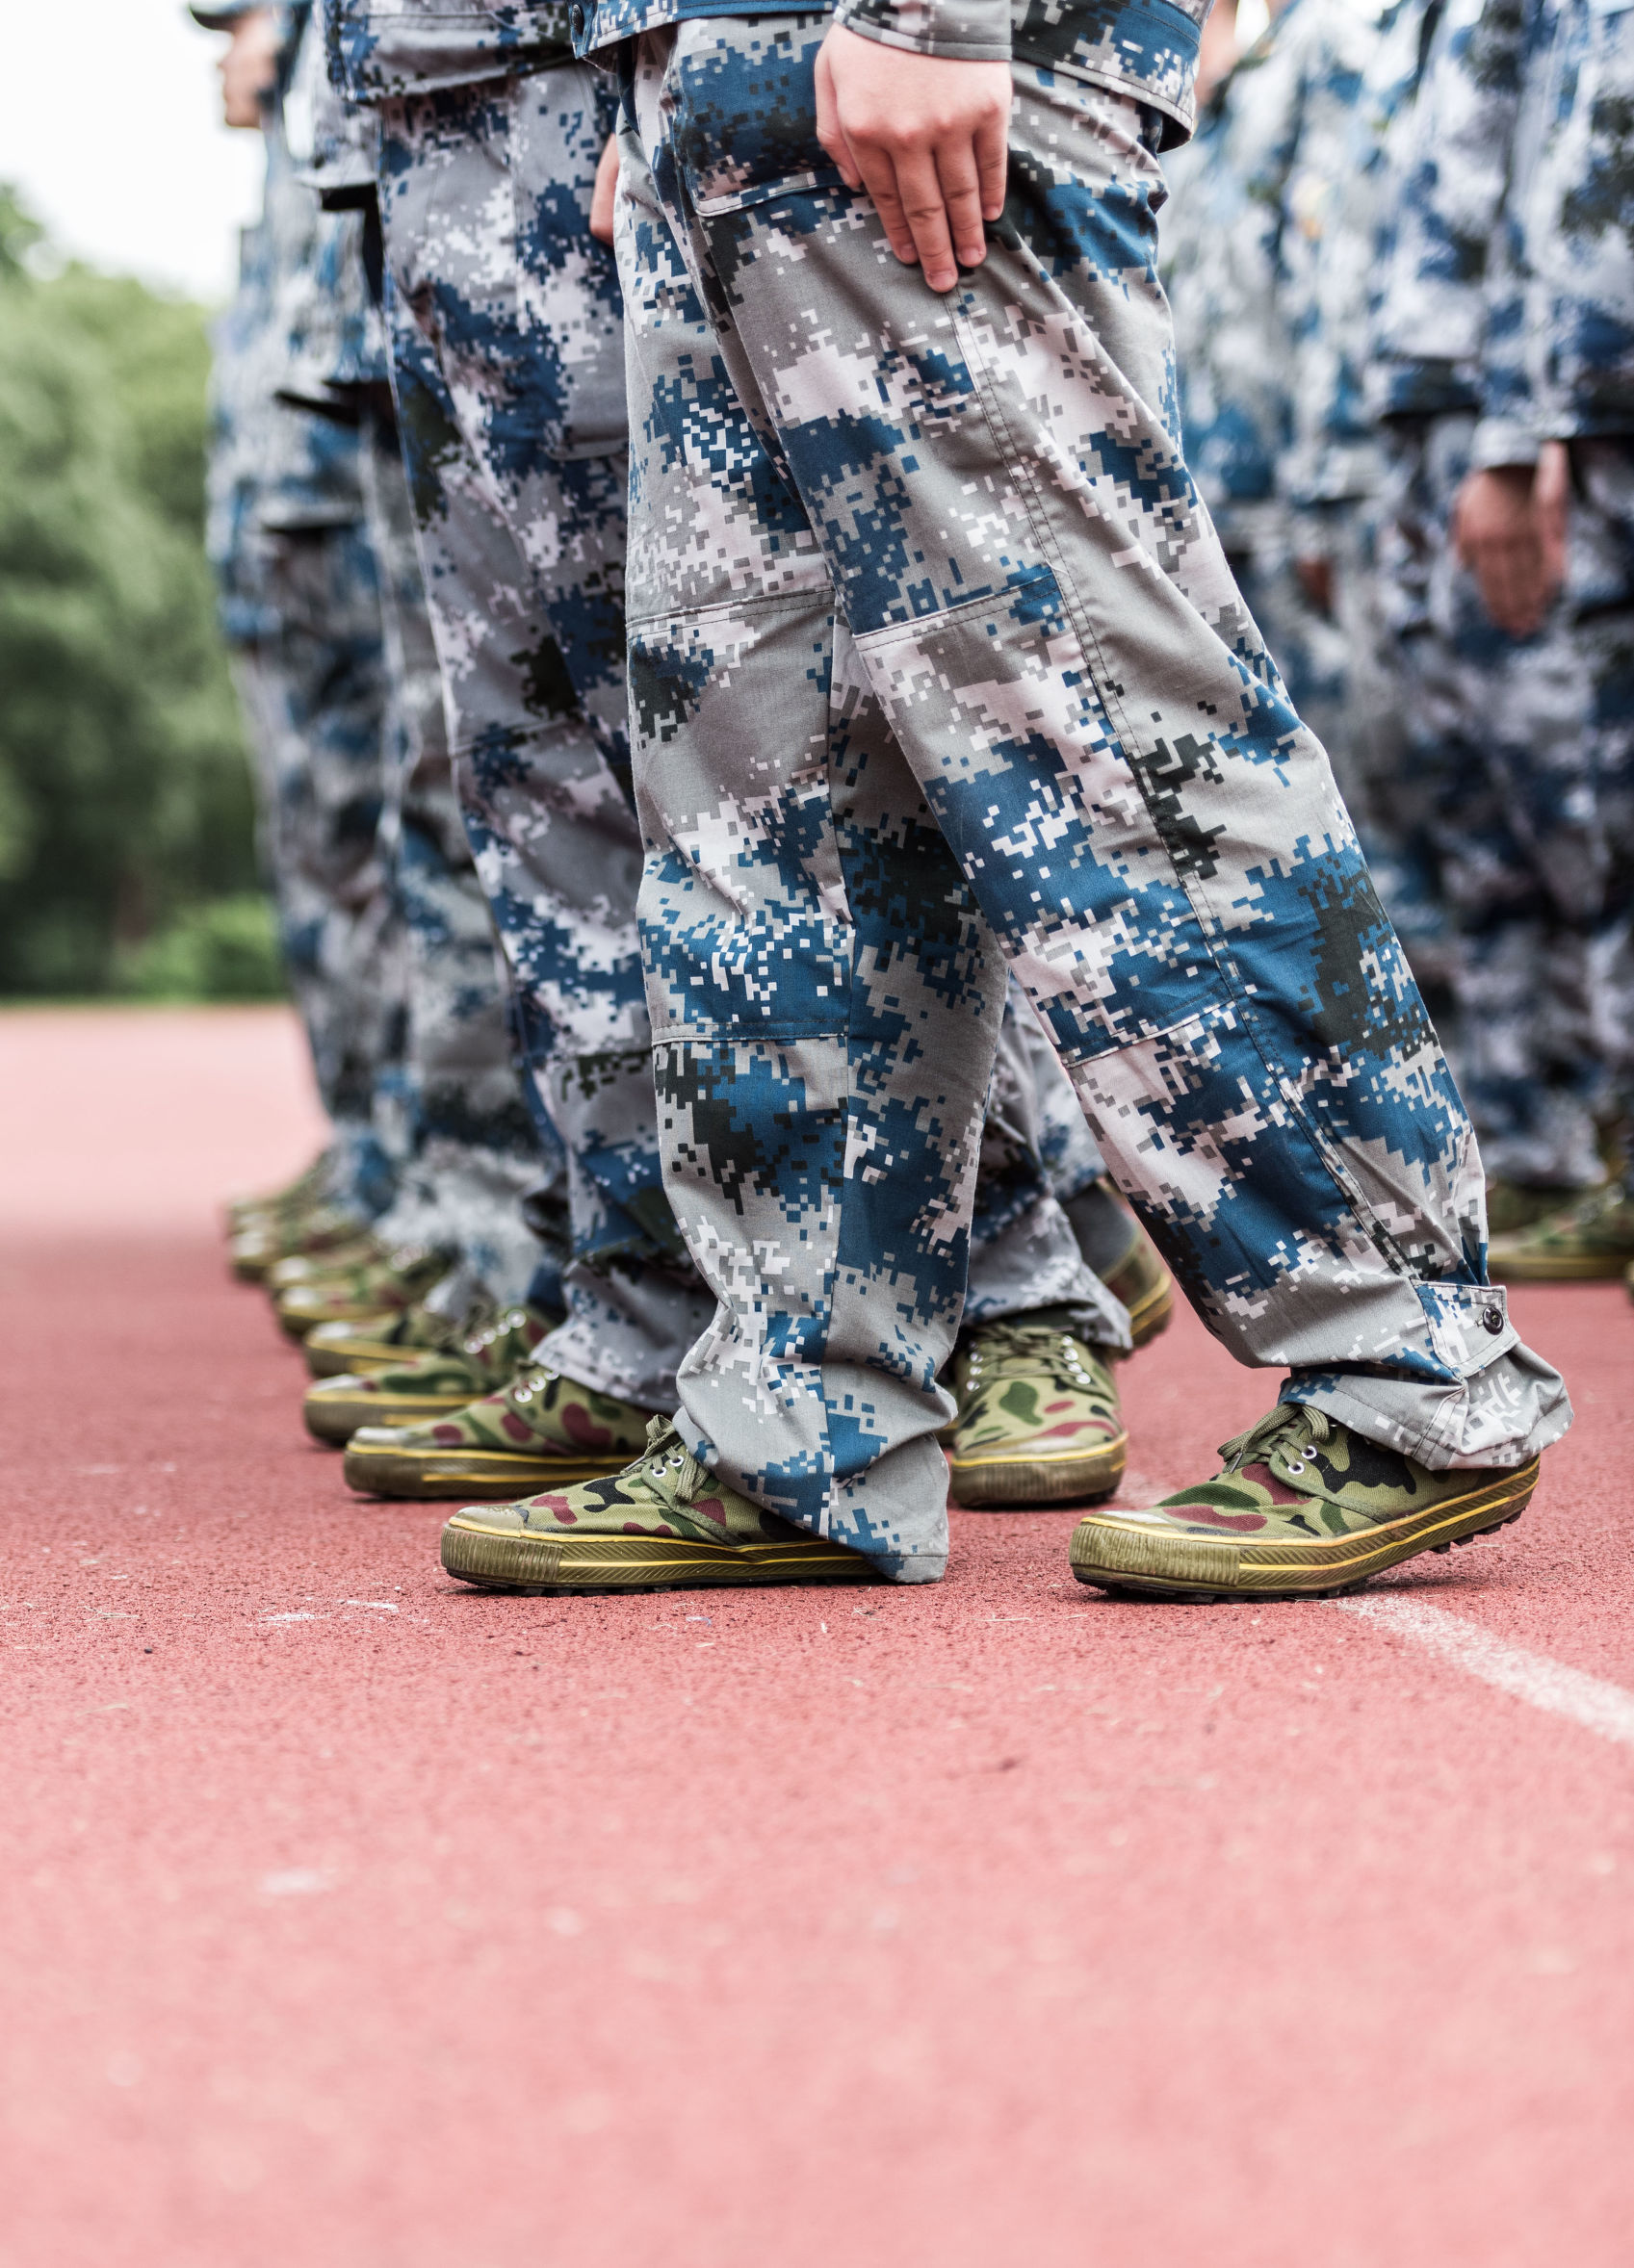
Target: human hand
<point x="1495" y="528"/>
<point x="927" y="136"/>
<point x="606" y="190"/>
<point x="249" y="66"/>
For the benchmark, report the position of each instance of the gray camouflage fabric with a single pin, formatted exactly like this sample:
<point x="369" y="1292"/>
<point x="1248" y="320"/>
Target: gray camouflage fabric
<point x="507" y="344"/>
<point x="469" y="1149"/>
<point x="1520" y="747"/>
<point x="1242" y="252"/>
<point x="300" y="608"/>
<point x="936" y="668"/>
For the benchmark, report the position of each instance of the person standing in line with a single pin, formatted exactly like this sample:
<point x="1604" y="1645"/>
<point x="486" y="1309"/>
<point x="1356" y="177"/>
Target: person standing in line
<point x="506" y="340"/>
<point x="1546" y="526"/>
<point x="1493" y="701"/>
<point x="936" y="668"/>
<point x="1241" y="238"/>
<point x="299" y="607"/>
<point x="442" y="1101"/>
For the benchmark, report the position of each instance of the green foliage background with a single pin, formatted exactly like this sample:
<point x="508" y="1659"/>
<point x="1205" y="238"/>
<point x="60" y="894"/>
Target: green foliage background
<point x="126" y="822"/>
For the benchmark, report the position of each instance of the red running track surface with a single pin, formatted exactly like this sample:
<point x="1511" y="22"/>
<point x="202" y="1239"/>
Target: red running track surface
<point x="355" y="1919"/>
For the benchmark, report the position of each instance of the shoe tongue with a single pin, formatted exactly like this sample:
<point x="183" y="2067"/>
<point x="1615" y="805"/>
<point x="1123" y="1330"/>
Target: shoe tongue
<point x="677" y="1472"/>
<point x="1286" y="1431"/>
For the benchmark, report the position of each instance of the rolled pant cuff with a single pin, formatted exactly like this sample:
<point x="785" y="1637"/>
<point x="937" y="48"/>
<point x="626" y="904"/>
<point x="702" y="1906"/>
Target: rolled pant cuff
<point x="1501" y="1418"/>
<point x="909" y="1567"/>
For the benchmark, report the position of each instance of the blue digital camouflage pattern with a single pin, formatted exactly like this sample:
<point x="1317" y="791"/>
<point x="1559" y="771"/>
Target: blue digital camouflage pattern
<point x="1146" y="49"/>
<point x="300" y="606"/>
<point x="1576" y="232"/>
<point x="381" y="49"/>
<point x="1242" y="252"/>
<point x="1332" y="474"/>
<point x="508" y="355"/>
<point x="910" y="704"/>
<point x="1518" y="747"/>
<point x="470" y="1150"/>
<point x="1577" y="261"/>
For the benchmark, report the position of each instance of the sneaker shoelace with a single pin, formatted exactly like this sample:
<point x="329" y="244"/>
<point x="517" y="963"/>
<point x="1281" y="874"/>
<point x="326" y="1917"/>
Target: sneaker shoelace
<point x="670" y="1468"/>
<point x="1292" y="1427"/>
<point x="1007" y="1349"/>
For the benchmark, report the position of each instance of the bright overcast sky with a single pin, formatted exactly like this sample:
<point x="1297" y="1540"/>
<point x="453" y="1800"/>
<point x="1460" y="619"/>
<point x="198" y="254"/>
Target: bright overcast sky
<point x="113" y="136"/>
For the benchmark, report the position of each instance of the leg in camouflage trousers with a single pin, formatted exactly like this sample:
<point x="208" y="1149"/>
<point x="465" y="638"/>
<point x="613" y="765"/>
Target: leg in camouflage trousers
<point x="1488" y="812"/>
<point x="471" y="1151"/>
<point x="508" y="356"/>
<point x="1041" y="730"/>
<point x="317" y="696"/>
<point x="507" y="344"/>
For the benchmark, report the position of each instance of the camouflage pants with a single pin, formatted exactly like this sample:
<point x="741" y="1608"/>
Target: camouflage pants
<point x="508" y="348"/>
<point x="315" y="698"/>
<point x="1510" y="751"/>
<point x="936" y="665"/>
<point x="467" y="1146"/>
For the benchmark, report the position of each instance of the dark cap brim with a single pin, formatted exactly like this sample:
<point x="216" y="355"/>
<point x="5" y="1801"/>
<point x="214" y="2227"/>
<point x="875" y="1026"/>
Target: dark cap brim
<point x="224" y="16"/>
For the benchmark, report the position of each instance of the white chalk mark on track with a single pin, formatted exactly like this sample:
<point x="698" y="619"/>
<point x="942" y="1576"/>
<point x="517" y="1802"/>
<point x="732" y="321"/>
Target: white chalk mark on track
<point x="1592" y="1702"/>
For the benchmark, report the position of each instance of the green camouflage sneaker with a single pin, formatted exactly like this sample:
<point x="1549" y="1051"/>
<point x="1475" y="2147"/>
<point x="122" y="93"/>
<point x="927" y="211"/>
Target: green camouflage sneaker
<point x="379" y="1342"/>
<point x="1146" y="1288"/>
<point x="426" y="1385"/>
<point x="1123" y="1256"/>
<point x="369" y="1287"/>
<point x="256" y="1252"/>
<point x="540" y="1431"/>
<point x="1038" y="1422"/>
<point x="1304" y="1509"/>
<point x="360" y="1343"/>
<point x="298" y="1195"/>
<point x="661" y="1524"/>
<point x="301" y="1269"/>
<point x="1593" y="1237"/>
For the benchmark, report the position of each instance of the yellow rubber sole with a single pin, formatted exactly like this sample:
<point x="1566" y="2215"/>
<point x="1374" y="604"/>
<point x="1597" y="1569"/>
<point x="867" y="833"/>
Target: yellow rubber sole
<point x="493" y="1560"/>
<point x="1022" y="1482"/>
<point x="295" y="1324"/>
<point x="494" y="1475"/>
<point x="1119" y="1551"/>
<point x="355" y="1357"/>
<point x="334" y="1418"/>
<point x="1152" y="1313"/>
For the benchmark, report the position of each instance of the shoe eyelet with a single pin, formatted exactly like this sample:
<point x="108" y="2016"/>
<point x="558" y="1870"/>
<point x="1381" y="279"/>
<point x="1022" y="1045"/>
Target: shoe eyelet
<point x="1295" y="1467"/>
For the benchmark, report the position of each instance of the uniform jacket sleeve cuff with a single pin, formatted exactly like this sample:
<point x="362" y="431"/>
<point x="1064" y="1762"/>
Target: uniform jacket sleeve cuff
<point x="966" y="31"/>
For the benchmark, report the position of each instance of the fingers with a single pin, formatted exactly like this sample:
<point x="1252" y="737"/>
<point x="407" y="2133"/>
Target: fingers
<point x="926" y="137"/>
<point x="830" y="131"/>
<point x="959" y="179"/>
<point x="992" y="147"/>
<point x="925" y="208"/>
<point x="878" y="176"/>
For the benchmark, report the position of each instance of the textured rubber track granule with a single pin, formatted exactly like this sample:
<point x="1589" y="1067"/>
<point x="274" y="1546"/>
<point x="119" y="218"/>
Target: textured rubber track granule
<point x="350" y="1918"/>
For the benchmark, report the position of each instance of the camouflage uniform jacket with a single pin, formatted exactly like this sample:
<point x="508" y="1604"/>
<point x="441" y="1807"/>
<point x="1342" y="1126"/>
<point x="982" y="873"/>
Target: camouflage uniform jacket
<point x="1578" y="231"/>
<point x="272" y="468"/>
<point x="1145" y="49"/>
<point x="311" y="474"/>
<point x="1241" y="238"/>
<point x="379" y="49"/>
<point x="1450" y="334"/>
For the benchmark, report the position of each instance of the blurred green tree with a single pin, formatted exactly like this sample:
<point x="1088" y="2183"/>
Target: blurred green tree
<point x="126" y="803"/>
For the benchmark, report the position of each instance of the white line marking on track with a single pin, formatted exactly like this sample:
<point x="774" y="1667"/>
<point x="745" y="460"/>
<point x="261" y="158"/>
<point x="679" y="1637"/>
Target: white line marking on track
<point x="1593" y="1702"/>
